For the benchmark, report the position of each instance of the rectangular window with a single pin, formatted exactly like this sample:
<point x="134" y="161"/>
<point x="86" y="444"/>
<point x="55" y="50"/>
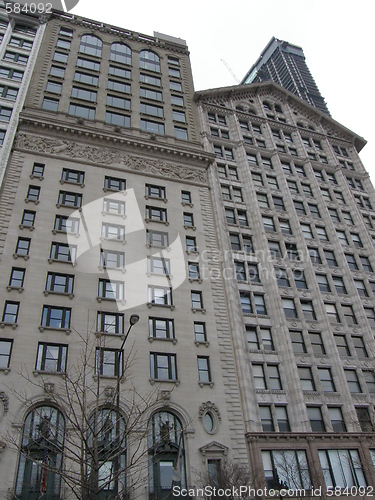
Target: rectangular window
<point x="260" y="305"/>
<point x="116" y="86"/>
<point x="87" y="64"/>
<point x="160" y="328"/>
<point x="63" y="252"/>
<point x="342" y="469"/>
<point x="193" y="269"/>
<point x="17" y="277"/>
<point x="322" y="233"/>
<point x="285" y="226"/>
<point x="113" y="231"/>
<point x="367" y="267"/>
<point x="204" y="373"/>
<point x="115" y="207"/>
<point x="23" y="246"/>
<point x="114" y="184"/>
<point x="188" y="219"/>
<point x="161" y="296"/>
<point x="314" y="210"/>
<point x="300" y="208"/>
<point x="286" y="469"/>
<point x="28" y="218"/>
<point x="246" y="303"/>
<point x="85" y="78"/>
<point x="196" y="300"/>
<point x="314" y="255"/>
<point x="158" y="265"/>
<point x="323" y="283"/>
<point x="56" y="317"/>
<point x="352" y="381"/>
<point x="60" y="283"/>
<point x="163" y="366"/>
<point x="308" y="310"/>
<point x="332" y="313"/>
<point x="50" y="104"/>
<point x="268" y="224"/>
<point x="359" y="347"/>
<point x="259" y="377"/>
<point x="51" y="357"/>
<point x="153" y="191"/>
<point x="317" y="343"/>
<point x="282" y="278"/>
<point x="117" y="119"/>
<point x="337" y="420"/>
<point x="112" y="260"/>
<point x="342" y="345"/>
<point x="66" y="224"/>
<point x="156" y="214"/>
<point x="157" y="239"/>
<point x="370" y="381"/>
<point x="275" y="250"/>
<point x="298" y="343"/>
<point x="316" y="419"/>
<point x="306" y="231"/>
<point x="110" y="290"/>
<point x="82" y="111"/>
<point x="10" y="313"/>
<point x="73" y="176"/>
<point x="330" y="258"/>
<point x="38" y="170"/>
<point x="109" y="362"/>
<point x="69" y="199"/>
<point x="108" y="322"/>
<point x="200" y="331"/>
<point x="306" y="378"/>
<point x="274" y="381"/>
<point x="266" y="419"/>
<point x="326" y="380"/>
<point x="5" y="353"/>
<point x="289" y="308"/>
<point x="349" y="314"/>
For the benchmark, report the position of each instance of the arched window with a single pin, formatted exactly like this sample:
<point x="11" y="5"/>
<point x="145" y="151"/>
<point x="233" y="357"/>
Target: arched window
<point x="41" y="454"/>
<point x="121" y="53"/>
<point x="106" y="442"/>
<point x="166" y="457"/>
<point x="91" y="45"/>
<point x="149" y="60"/>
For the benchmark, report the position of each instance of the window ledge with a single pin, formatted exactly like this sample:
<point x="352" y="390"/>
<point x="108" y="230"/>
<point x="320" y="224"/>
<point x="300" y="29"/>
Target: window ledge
<point x="205" y="384"/>
<point x="19" y="288"/>
<point x="195" y="310"/>
<point x="123" y="216"/>
<point x="99" y="299"/>
<point x="40" y="177"/>
<point x="66" y="294"/>
<point x="104" y="268"/>
<point x="117" y="240"/>
<point x="194" y="252"/>
<point x="153" y="339"/>
<point x="51" y="261"/>
<point x="3" y="324"/>
<point x="202" y="342"/>
<point x="72" y="182"/>
<point x="168" y="276"/>
<point x="42" y="372"/>
<point x="190" y="227"/>
<point x="30" y="200"/>
<point x="152" y="304"/>
<point x="16" y="255"/>
<point x="52" y="328"/>
<point x="185" y="204"/>
<point x="30" y="228"/>
<point x="154" y="381"/>
<point x="147" y="220"/>
<point x="105" y="189"/>
<point x="59" y="231"/>
<point x="195" y="280"/>
<point x="5" y="370"/>
<point x="157" y="198"/>
<point x="100" y="333"/>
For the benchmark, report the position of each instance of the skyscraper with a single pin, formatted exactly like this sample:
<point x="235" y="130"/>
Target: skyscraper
<point x="285" y="64"/>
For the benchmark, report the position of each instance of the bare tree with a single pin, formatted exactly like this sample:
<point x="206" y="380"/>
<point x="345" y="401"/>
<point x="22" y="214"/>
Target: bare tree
<point x="89" y="436"/>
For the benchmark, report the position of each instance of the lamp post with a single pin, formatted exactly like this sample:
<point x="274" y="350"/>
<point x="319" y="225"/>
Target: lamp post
<point x="133" y="320"/>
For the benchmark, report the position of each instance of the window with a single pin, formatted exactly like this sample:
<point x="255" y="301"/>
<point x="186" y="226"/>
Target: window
<point x="66" y="224"/>
<point x="259" y="376"/>
<point x="282" y="278"/>
<point x="15" y="57"/>
<point x="82" y="111"/>
<point x="152" y="110"/>
<point x="306" y="378"/>
<point x="188" y="219"/>
<point x="260" y="306"/>
<point x="28" y="218"/>
<point x="124" y="88"/>
<point x="342" y="345"/>
<point x="91" y="45"/>
<point x="163" y="366"/>
<point x="317" y="343"/>
<point x="152" y="127"/>
<point x="272" y="182"/>
<point x="63" y="252"/>
<point x="322" y="233"/>
<point x="266" y="419"/>
<point x="370" y="381"/>
<point x="300" y="208"/>
<point x="274" y="381"/>
<point x="316" y="419"/>
<point x="298" y="342"/>
<point x="56" y="317"/>
<point x="330" y="258"/>
<point x="200" y="331"/>
<point x="275" y="250"/>
<point x="87" y="64"/>
<point x="341" y="468"/>
<point x="66" y="32"/>
<point x="114" y="207"/>
<point x="42" y="435"/>
<point x="367" y="267"/>
<point x="326" y="380"/>
<point x="158" y="265"/>
<point x="51" y="357"/>
<point x="8" y="92"/>
<point x="246" y="303"/>
<point x="156" y="214"/>
<point x="332" y="313"/>
<point x="308" y="310"/>
<point x="323" y="283"/>
<point x="5" y="353"/>
<point x="10" y="73"/>
<point x="359" y="347"/>
<point x="38" y="170"/>
<point x="306" y="231"/>
<point x="10" y="313"/>
<point x="63" y="44"/>
<point x="292" y="252"/>
<point x="157" y="238"/>
<point x="268" y="223"/>
<point x="54" y="88"/>
<point x="337" y="420"/>
<point x="50" y="104"/>
<point x="334" y="215"/>
<point x="350" y="259"/>
<point x="73" y="176"/>
<point x="161" y="328"/>
<point x="109" y="362"/>
<point x="150" y="61"/>
<point x="161" y="296"/>
<point x="186" y="197"/>
<point x="352" y="381"/>
<point x="342" y="237"/>
<point x="286" y="469"/>
<point x="289" y="308"/>
<point x="349" y="314"/>
<point x="110" y="290"/>
<point x="364" y="419"/>
<point x="292" y="187"/>
<point x="196" y="300"/>
<point x="23" y="246"/>
<point x="112" y="323"/>
<point x="299" y="279"/>
<point x="204" y="373"/>
<point x="17" y="277"/>
<point x="285" y="226"/>
<point x="113" y="231"/>
<point x="282" y="418"/>
<point x="314" y="255"/>
<point x="120" y="53"/>
<point x="112" y="260"/>
<point x="59" y="283"/>
<point x="155" y="191"/>
<point x="118" y="102"/>
<point x="114" y="184"/>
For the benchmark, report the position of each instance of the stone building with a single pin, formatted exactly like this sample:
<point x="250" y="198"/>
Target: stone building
<point x="110" y="216"/>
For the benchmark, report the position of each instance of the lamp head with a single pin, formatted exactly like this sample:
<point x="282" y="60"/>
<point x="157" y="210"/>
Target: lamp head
<point x="134" y="318"/>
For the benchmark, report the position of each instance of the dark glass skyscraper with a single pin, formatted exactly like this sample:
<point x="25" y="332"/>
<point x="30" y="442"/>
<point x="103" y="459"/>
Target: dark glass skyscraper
<point x="285" y="64"/>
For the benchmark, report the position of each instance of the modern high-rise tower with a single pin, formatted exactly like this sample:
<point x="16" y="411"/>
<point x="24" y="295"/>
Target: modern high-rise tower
<point x="285" y="64"/>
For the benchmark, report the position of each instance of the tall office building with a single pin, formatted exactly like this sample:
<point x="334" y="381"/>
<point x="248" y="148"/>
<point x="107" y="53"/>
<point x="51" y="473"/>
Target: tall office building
<point x="110" y="216"/>
<point x="285" y="64"/>
<point x="296" y="212"/>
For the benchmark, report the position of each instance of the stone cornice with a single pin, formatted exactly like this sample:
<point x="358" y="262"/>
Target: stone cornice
<point x="281" y="437"/>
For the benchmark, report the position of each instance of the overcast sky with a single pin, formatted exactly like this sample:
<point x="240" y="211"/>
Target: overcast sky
<point x="336" y="37"/>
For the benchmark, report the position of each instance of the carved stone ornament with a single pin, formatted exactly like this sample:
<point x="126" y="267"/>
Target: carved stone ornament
<point x="4" y="404"/>
<point x="107" y="156"/>
<point x="208" y="406"/>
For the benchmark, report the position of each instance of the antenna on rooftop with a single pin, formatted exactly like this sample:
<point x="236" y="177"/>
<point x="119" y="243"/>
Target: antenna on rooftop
<point x="230" y="70"/>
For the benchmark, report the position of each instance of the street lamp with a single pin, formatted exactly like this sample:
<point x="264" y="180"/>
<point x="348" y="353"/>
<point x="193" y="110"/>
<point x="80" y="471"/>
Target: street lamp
<point x="133" y="320"/>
